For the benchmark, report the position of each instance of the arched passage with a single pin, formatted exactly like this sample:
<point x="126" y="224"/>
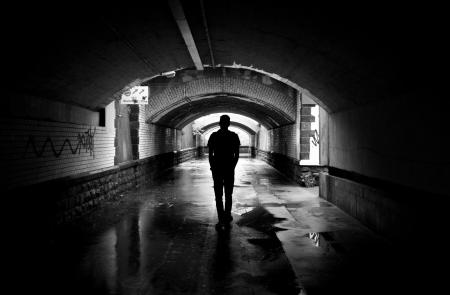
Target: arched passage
<point x="192" y="94"/>
<point x="354" y="65"/>
<point x="374" y="72"/>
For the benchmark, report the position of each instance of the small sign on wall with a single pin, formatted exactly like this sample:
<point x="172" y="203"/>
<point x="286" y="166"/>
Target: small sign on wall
<point x="135" y="95"/>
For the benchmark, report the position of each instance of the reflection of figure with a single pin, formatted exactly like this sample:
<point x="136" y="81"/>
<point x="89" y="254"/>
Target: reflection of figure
<point x="223" y="260"/>
<point x="223" y="157"/>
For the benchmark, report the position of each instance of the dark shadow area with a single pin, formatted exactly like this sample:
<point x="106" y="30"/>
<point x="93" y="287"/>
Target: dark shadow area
<point x="260" y="219"/>
<point x="371" y="268"/>
<point x="354" y="263"/>
<point x="157" y="239"/>
<point x="222" y="261"/>
<point x="248" y="261"/>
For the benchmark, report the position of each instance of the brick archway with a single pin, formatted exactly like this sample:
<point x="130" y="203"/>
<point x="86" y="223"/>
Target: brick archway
<point x="191" y="94"/>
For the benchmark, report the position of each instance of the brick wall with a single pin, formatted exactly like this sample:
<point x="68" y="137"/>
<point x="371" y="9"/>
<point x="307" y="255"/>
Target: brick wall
<point x="263" y="139"/>
<point x="283" y="140"/>
<point x="278" y="148"/>
<point x="150" y="139"/>
<point x="187" y="139"/>
<point x="154" y="140"/>
<point x="60" y="171"/>
<point x="279" y="140"/>
<point x="123" y="143"/>
<point x="34" y="151"/>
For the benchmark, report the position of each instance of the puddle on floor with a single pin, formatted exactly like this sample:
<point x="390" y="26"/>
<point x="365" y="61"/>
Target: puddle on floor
<point x="263" y="181"/>
<point x="326" y="241"/>
<point x="242" y="210"/>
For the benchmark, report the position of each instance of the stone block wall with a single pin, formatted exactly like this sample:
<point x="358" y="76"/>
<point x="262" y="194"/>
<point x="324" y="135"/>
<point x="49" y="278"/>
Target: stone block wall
<point x="61" y="200"/>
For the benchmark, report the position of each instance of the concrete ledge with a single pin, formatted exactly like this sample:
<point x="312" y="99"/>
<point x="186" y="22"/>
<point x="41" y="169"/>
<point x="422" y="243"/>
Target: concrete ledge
<point x="398" y="214"/>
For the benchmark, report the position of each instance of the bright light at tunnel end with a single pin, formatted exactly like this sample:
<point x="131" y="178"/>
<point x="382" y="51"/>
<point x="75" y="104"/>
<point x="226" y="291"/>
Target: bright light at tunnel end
<point x="215" y="117"/>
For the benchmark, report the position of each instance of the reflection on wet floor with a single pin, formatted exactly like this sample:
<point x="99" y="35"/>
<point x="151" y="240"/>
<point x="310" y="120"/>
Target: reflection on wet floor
<point x="326" y="241"/>
<point x="161" y="239"/>
<point x="242" y="210"/>
<point x="315" y="237"/>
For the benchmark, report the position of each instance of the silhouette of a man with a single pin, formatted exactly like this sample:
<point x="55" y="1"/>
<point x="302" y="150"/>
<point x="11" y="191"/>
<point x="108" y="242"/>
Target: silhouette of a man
<point x="223" y="157"/>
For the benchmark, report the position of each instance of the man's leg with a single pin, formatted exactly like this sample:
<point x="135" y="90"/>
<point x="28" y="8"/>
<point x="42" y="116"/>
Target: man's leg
<point x="229" y="185"/>
<point x="218" y="191"/>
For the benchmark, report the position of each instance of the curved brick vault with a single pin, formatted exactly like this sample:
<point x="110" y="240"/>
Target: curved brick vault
<point x="182" y="115"/>
<point x="191" y="94"/>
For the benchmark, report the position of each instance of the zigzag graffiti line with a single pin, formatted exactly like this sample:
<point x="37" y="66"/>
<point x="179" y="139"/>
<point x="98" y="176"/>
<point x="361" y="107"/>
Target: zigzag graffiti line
<point x="84" y="140"/>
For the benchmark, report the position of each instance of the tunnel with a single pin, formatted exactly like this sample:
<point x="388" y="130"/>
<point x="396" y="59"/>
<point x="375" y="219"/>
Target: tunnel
<point x="340" y="186"/>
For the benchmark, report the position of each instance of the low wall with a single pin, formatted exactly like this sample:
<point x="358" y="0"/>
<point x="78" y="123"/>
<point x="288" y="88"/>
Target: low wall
<point x="395" y="212"/>
<point x="242" y="150"/>
<point x="287" y="165"/>
<point x="61" y="200"/>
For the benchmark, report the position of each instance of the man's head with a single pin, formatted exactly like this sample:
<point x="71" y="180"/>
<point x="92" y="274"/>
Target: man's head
<point x="224" y="122"/>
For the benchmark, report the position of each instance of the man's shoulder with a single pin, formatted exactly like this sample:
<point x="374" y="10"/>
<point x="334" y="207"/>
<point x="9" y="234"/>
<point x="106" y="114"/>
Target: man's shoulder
<point x="224" y="134"/>
<point x="235" y="137"/>
<point x="211" y="137"/>
<point x="231" y="133"/>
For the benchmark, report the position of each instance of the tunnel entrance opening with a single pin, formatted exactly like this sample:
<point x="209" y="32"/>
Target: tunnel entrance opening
<point x="245" y="150"/>
<point x="245" y="127"/>
<point x="282" y="111"/>
<point x="278" y="123"/>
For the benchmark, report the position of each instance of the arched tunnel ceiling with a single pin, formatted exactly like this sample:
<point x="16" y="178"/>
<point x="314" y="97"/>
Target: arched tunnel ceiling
<point x="180" y="116"/>
<point x="343" y="57"/>
<point x="247" y="129"/>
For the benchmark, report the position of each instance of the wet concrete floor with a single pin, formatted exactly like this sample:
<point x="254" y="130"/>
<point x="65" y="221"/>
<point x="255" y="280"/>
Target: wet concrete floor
<point x="161" y="239"/>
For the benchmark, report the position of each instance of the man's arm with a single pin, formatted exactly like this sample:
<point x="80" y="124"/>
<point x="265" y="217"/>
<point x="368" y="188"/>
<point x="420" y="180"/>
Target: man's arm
<point x="236" y="151"/>
<point x="211" y="152"/>
<point x="211" y="157"/>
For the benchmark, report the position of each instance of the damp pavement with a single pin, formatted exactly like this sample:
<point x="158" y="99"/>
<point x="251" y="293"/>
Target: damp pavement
<point x="161" y="239"/>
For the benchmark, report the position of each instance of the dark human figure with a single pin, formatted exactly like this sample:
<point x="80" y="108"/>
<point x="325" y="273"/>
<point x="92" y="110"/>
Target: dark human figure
<point x="223" y="157"/>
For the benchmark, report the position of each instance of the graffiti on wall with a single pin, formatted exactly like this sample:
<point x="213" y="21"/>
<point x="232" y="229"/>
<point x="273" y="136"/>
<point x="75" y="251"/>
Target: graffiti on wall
<point x="84" y="141"/>
<point x="315" y="138"/>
